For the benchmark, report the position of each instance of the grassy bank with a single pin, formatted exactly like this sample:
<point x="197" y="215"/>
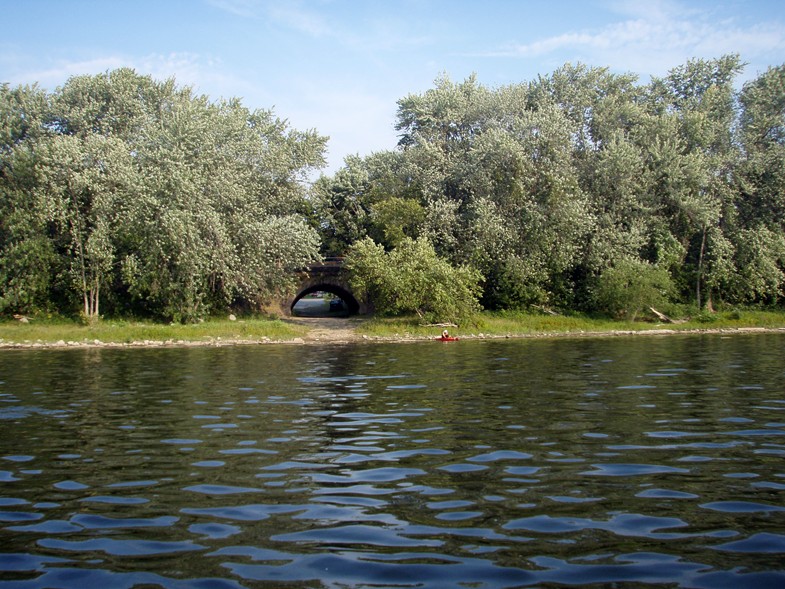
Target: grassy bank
<point x="62" y="331"/>
<point x="517" y="324"/>
<point x="59" y="332"/>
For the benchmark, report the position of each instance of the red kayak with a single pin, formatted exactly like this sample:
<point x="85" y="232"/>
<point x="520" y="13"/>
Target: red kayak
<point x="447" y="339"/>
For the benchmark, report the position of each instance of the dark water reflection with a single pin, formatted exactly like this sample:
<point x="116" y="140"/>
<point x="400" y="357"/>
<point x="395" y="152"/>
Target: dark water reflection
<point x="599" y="462"/>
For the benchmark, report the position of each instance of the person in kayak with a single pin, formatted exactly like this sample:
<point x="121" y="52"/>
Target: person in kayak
<point x="446" y="337"/>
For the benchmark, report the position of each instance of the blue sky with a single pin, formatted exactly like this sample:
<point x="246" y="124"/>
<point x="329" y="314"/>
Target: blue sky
<point x="340" y="66"/>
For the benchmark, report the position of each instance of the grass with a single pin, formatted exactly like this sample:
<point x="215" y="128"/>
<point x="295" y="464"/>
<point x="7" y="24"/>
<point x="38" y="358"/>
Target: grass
<point x="508" y="323"/>
<point x="47" y="330"/>
<point x="54" y="330"/>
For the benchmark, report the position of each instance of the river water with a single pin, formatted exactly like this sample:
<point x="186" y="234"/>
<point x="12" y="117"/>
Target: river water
<point x="626" y="462"/>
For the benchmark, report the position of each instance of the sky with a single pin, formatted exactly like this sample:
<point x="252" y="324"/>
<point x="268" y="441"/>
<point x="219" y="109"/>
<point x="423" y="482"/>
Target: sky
<point x="341" y="66"/>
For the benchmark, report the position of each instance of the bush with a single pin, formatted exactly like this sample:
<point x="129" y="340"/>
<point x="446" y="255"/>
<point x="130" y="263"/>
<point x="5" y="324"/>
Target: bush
<point x="705" y="317"/>
<point x="626" y="288"/>
<point x="413" y="279"/>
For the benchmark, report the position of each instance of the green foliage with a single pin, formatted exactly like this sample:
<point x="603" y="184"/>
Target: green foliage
<point x="760" y="259"/>
<point x="269" y="253"/>
<point x="342" y="207"/>
<point x="761" y="175"/>
<point x="413" y="279"/>
<point x="372" y="196"/>
<point x="27" y="255"/>
<point x="581" y="189"/>
<point x="628" y="287"/>
<point x="24" y="274"/>
<point x="82" y="181"/>
<point x="514" y="283"/>
<point x="544" y="186"/>
<point x="705" y="317"/>
<point x="395" y="219"/>
<point x="128" y="194"/>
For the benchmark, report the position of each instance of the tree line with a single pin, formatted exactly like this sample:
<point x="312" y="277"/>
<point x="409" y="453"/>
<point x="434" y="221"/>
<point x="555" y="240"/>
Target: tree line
<point x="130" y="196"/>
<point x="582" y="189"/>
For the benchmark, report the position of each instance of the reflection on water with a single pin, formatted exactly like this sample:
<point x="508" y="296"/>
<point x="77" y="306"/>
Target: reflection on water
<point x="633" y="462"/>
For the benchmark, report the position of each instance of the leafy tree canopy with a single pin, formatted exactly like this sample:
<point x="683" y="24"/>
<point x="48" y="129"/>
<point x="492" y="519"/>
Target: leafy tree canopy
<point x="124" y="193"/>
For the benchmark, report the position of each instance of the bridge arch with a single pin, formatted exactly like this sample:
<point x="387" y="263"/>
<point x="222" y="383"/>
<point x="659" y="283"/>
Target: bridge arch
<point x="352" y="304"/>
<point x="328" y="276"/>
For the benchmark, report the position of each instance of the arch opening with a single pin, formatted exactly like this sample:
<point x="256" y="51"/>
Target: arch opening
<point x="349" y="306"/>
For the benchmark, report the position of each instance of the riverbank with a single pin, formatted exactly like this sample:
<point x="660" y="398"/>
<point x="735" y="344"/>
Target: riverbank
<point x="337" y="330"/>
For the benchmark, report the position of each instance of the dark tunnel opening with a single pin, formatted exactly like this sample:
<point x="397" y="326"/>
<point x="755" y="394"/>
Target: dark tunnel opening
<point x="342" y="303"/>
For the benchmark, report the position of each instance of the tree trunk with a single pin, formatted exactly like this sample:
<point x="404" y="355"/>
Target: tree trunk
<point x="700" y="266"/>
<point x="91" y="299"/>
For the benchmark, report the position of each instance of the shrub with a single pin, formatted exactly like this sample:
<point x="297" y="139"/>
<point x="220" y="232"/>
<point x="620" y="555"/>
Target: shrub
<point x="629" y="286"/>
<point x="413" y="279"/>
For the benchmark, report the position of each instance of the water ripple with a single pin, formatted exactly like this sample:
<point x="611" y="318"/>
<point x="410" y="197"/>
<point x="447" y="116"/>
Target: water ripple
<point x="500" y="455"/>
<point x="386" y="570"/>
<point x="302" y="466"/>
<point x="356" y="535"/>
<point x="376" y="475"/>
<point x="627" y="470"/>
<point x="101" y="522"/>
<point x="760" y="543"/>
<point x="245" y="513"/>
<point x="115" y="500"/>
<point x="120" y="547"/>
<point x="741" y="507"/>
<point x="221" y="490"/>
<point x="630" y="524"/>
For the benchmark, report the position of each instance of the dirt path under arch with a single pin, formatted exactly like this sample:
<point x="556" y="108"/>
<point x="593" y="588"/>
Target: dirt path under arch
<point x="329" y="329"/>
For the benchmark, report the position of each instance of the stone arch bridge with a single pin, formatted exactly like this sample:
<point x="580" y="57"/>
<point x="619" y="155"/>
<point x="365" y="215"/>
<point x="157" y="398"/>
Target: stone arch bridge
<point x="328" y="276"/>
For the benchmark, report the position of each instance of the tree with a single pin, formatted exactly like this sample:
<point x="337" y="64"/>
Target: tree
<point x="26" y="254"/>
<point x="342" y="207"/>
<point x="82" y="182"/>
<point x="219" y="178"/>
<point x="497" y="182"/>
<point x="149" y="197"/>
<point x="545" y="186"/>
<point x="129" y="194"/>
<point x="630" y="285"/>
<point x="761" y="175"/>
<point x="412" y="279"/>
<point x="394" y="219"/>
<point x="353" y="203"/>
<point x="269" y="253"/>
<point x="449" y="115"/>
<point x="701" y="155"/>
<point x="759" y="257"/>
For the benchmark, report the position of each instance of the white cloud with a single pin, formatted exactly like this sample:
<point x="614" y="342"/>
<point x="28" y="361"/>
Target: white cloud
<point x="319" y="20"/>
<point x="292" y="15"/>
<point x="56" y="73"/>
<point x="652" y="10"/>
<point x="345" y="116"/>
<point x="242" y="8"/>
<point x="205" y="74"/>
<point x="186" y="68"/>
<point x="660" y="35"/>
